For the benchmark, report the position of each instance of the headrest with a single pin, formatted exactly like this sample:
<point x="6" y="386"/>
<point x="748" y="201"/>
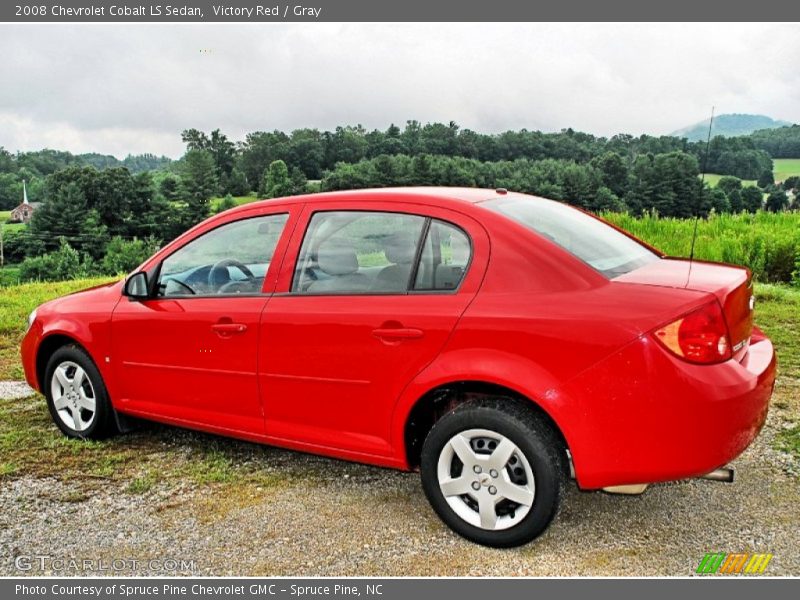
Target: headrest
<point x="400" y="248"/>
<point x="337" y="257"/>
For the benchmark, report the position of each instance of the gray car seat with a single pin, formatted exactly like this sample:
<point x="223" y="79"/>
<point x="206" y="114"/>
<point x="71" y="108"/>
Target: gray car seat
<point x="338" y="259"/>
<point x="399" y="249"/>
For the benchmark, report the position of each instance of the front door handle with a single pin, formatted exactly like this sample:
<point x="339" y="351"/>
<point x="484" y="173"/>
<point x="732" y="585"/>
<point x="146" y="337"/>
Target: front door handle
<point x="397" y="333"/>
<point x="228" y="329"/>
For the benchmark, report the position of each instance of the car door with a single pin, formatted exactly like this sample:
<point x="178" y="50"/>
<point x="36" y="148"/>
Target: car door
<point x="359" y="313"/>
<point x="189" y="353"/>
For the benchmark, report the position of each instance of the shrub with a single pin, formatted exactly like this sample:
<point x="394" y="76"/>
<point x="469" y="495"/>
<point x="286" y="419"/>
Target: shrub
<point x="123" y="256"/>
<point x="61" y="265"/>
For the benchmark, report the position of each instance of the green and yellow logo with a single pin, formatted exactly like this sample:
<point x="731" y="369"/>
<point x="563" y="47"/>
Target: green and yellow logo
<point x="743" y="562"/>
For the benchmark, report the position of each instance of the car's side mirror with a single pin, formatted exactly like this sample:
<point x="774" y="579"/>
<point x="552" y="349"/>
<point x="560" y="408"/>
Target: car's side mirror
<point x="136" y="286"/>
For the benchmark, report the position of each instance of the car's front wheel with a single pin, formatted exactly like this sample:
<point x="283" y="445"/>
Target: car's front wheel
<point x="76" y="395"/>
<point x="494" y="471"/>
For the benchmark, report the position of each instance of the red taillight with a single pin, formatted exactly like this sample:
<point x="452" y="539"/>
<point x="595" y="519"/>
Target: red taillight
<point x="699" y="337"/>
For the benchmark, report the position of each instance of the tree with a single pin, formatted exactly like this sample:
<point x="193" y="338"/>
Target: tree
<point x="10" y="191"/>
<point x="727" y="184"/>
<point x="792" y="183"/>
<point x="614" y="170"/>
<point x="226" y="204"/>
<point x="123" y="256"/>
<point x="765" y="179"/>
<point x="222" y="150"/>
<point x="200" y="181"/>
<point x="421" y="170"/>
<point x="276" y="182"/>
<point x="65" y="263"/>
<point x="777" y="201"/>
<point x="719" y="201"/>
<point x="735" y="200"/>
<point x="194" y="139"/>
<point x="752" y="198"/>
<point x="61" y="215"/>
<point x="237" y="183"/>
<point x="299" y="182"/>
<point x="170" y="188"/>
<point x="605" y="199"/>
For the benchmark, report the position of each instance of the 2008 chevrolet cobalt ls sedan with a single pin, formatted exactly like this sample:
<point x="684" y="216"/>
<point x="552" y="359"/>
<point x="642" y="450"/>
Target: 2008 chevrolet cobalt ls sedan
<point x="493" y="340"/>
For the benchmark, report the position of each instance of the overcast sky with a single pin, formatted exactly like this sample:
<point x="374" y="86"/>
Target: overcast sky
<point x="122" y="89"/>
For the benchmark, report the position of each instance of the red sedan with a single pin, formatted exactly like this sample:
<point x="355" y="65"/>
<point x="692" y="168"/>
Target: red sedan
<point x="497" y="342"/>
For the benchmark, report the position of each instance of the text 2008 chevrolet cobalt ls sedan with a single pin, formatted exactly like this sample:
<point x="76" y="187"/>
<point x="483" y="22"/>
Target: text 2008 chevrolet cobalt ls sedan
<point x="487" y="338"/>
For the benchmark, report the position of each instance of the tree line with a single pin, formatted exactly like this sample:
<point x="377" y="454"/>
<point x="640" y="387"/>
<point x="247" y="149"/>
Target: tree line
<point x="34" y="167"/>
<point x="93" y="208"/>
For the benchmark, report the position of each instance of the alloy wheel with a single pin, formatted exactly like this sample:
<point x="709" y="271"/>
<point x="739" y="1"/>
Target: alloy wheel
<point x="486" y="479"/>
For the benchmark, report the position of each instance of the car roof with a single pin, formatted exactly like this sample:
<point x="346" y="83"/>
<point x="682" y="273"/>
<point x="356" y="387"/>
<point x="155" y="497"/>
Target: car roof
<point x="436" y="195"/>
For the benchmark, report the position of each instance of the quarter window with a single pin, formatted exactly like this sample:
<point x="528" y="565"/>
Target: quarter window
<point x="357" y="252"/>
<point x="231" y="259"/>
<point x="444" y="259"/>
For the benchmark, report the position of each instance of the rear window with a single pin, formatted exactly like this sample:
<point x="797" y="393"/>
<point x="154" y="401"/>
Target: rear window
<point x="598" y="245"/>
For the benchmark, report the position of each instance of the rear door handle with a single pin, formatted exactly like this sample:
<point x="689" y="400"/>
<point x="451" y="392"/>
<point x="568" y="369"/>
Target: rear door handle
<point x="397" y="333"/>
<point x="228" y="329"/>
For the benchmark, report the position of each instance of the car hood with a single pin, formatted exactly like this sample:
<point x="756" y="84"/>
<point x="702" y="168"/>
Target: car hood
<point x="93" y="298"/>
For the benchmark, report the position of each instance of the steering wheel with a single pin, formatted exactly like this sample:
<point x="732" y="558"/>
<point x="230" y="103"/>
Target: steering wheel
<point x="217" y="269"/>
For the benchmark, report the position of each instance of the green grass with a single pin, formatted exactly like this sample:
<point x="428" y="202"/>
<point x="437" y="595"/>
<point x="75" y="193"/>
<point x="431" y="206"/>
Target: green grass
<point x="9" y="275"/>
<point x="5" y="215"/>
<point x="238" y="200"/>
<point x="781" y="169"/>
<point x="788" y="440"/>
<point x="16" y="303"/>
<point x="767" y="243"/>
<point x="778" y="314"/>
<point x="712" y="179"/>
<point x="786" y="167"/>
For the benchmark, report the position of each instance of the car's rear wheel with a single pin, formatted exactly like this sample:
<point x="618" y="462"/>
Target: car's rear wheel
<point x="76" y="395"/>
<point x="494" y="472"/>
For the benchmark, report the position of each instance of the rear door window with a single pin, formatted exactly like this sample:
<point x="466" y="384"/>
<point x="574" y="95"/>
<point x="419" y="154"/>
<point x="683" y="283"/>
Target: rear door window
<point x="358" y="252"/>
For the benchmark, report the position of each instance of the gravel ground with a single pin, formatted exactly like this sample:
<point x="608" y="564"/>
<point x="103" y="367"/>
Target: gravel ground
<point x="324" y="517"/>
<point x="14" y="389"/>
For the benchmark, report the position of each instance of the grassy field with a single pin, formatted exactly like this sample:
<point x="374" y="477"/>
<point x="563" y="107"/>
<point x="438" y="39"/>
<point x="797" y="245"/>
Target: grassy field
<point x="767" y="243"/>
<point x="5" y="215"/>
<point x="785" y="167"/>
<point x="712" y="179"/>
<point x="238" y="200"/>
<point x="16" y="303"/>
<point x="9" y="275"/>
<point x="781" y="169"/>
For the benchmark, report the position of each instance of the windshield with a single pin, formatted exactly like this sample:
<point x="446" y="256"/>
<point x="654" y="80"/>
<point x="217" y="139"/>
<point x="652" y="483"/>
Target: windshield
<point x="597" y="244"/>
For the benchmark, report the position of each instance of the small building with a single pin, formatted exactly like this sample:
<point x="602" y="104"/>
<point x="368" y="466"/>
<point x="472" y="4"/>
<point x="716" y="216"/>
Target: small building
<point x="24" y="212"/>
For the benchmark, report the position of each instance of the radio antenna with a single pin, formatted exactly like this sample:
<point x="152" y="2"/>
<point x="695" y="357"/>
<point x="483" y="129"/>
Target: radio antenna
<point x="702" y="190"/>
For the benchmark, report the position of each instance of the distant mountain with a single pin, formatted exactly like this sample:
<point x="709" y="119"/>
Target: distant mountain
<point x="729" y="126"/>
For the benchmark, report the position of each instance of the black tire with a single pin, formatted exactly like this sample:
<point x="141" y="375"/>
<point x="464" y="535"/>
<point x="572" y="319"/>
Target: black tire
<point x="102" y="423"/>
<point x="532" y="435"/>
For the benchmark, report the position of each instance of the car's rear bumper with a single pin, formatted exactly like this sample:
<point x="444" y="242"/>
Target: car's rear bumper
<point x="647" y="416"/>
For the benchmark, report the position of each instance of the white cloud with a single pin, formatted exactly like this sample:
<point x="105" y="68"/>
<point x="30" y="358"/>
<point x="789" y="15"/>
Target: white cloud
<point x="124" y="88"/>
